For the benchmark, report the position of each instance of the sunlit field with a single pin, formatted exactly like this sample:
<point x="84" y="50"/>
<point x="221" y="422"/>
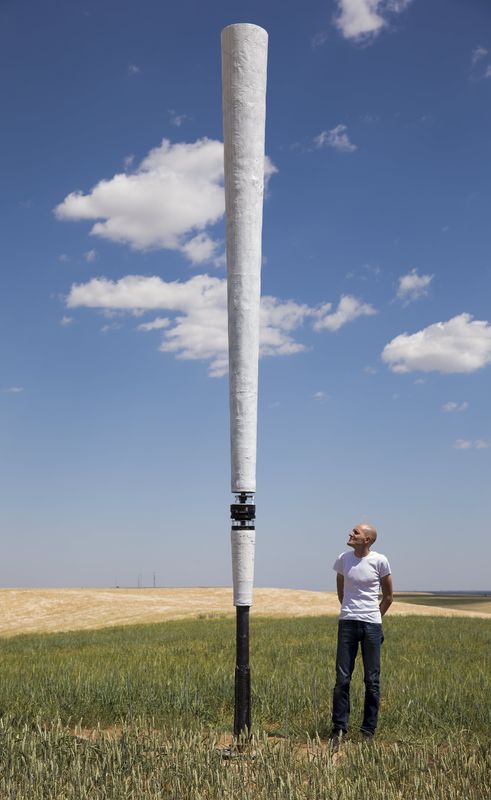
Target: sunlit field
<point x="470" y="603"/>
<point x="142" y="711"/>
<point x="56" y="610"/>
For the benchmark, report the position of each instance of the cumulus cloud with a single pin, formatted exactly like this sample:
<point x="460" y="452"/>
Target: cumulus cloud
<point x="66" y="320"/>
<point x="319" y="39"/>
<point x="478" y="70"/>
<point x="463" y="444"/>
<point x="168" y="201"/>
<point x="155" y="325"/>
<point x="337" y="138"/>
<point x="461" y="344"/>
<point x="413" y="286"/>
<point x="467" y="444"/>
<point x="176" y="190"/>
<point x="478" y="54"/>
<point x="278" y="319"/>
<point x="176" y="119"/>
<point x="453" y="406"/>
<point x="363" y="19"/>
<point x="365" y="273"/>
<point x="133" y="69"/>
<point x="13" y="390"/>
<point x="198" y="329"/>
<point x="349" y="308"/>
<point x="201" y="248"/>
<point x="90" y="256"/>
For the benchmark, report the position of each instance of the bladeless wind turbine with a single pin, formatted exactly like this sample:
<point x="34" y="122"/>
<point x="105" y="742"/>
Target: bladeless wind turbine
<point x="244" y="58"/>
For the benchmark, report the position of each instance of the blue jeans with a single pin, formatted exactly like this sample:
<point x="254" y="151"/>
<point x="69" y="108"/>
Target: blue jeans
<point x="351" y="633"/>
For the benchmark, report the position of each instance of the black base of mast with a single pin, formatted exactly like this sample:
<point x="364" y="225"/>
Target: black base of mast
<point x="242" y="715"/>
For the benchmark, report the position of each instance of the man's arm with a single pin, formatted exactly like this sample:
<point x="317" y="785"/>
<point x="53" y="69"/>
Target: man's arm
<point x="387" y="591"/>
<point x="340" y="586"/>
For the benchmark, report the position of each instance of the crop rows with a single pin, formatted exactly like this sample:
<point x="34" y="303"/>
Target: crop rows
<point x="139" y="712"/>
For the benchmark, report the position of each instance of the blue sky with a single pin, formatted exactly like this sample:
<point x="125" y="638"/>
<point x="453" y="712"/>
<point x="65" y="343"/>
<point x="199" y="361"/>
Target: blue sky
<point x="376" y="318"/>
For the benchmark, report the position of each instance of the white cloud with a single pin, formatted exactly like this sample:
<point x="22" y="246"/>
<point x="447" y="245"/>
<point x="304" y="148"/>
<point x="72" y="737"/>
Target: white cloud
<point x="463" y="444"/>
<point x="413" y="286"/>
<point x="366" y="273"/>
<point x="90" y="256"/>
<point x="320" y="397"/>
<point x="370" y="370"/>
<point x="176" y="190"/>
<point x="453" y="406"/>
<point x="477" y="54"/>
<point x="362" y="19"/>
<point x="372" y="269"/>
<point x="337" y="138"/>
<point x="128" y="161"/>
<point x="66" y="320"/>
<point x="168" y="201"/>
<point x="133" y="69"/>
<point x="176" y="119"/>
<point x="349" y="308"/>
<point x="277" y="321"/>
<point x="319" y="39"/>
<point x="139" y="292"/>
<point x="461" y="344"/>
<point x="200" y="248"/>
<point x="63" y="258"/>
<point x="157" y="324"/>
<point x="199" y="327"/>
<point x="13" y="390"/>
<point x="467" y="444"/>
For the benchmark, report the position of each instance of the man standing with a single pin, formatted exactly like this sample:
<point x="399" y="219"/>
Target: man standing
<point x="361" y="573"/>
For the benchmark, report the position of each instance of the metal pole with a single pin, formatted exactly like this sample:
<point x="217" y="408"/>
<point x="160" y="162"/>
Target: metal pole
<point x="242" y="715"/>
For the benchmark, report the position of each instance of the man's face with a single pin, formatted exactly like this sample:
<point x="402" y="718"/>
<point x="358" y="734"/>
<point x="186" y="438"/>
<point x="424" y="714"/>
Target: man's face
<point x="356" y="538"/>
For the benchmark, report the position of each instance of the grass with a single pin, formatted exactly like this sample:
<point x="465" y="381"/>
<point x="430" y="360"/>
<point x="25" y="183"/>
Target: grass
<point x="461" y="602"/>
<point x="145" y="764"/>
<point x="166" y="691"/>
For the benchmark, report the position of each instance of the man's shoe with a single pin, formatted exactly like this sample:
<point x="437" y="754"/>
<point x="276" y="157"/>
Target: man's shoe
<point x="367" y="736"/>
<point x="335" y="739"/>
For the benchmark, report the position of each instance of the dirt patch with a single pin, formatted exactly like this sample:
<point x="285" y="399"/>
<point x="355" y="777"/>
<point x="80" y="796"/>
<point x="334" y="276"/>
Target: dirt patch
<point x="50" y="610"/>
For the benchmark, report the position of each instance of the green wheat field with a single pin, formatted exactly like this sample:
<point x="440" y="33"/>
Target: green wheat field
<point x="143" y="712"/>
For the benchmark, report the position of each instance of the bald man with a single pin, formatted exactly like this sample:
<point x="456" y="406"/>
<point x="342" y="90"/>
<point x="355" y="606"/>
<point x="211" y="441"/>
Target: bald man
<point x="361" y="574"/>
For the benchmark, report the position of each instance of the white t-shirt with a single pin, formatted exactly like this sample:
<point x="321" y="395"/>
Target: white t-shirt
<point x="361" y="584"/>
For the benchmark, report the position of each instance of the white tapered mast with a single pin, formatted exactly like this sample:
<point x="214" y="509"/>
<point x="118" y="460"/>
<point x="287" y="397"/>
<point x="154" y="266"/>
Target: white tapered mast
<point x="244" y="60"/>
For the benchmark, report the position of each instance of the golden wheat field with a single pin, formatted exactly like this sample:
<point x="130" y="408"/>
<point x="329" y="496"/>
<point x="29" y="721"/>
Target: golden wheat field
<point x="50" y="610"/>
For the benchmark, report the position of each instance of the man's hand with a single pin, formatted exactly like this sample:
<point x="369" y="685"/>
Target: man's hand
<point x="340" y="586"/>
<point x="387" y="591"/>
